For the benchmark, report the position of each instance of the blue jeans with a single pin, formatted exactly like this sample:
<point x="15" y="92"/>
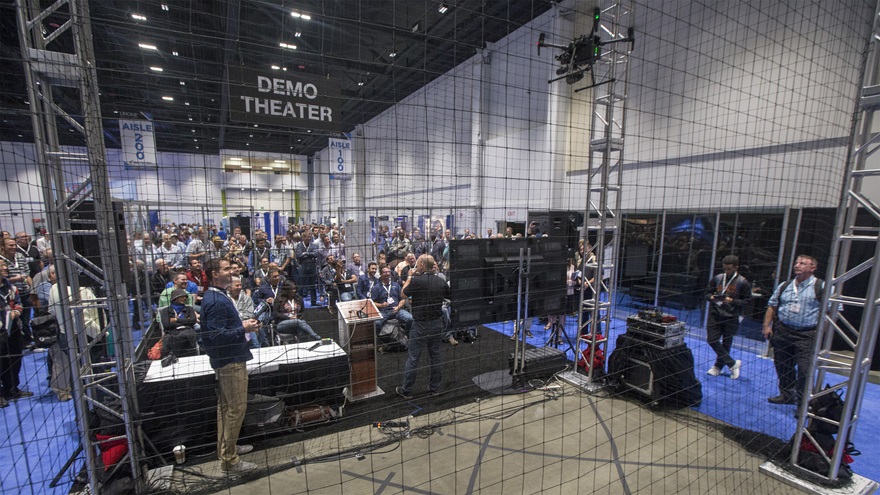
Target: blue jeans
<point x="299" y="328"/>
<point x="424" y="334"/>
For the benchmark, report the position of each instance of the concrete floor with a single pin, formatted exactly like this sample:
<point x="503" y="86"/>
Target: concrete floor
<point x="558" y="442"/>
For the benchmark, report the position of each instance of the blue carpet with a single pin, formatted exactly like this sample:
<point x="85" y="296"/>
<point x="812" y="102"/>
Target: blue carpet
<point x="743" y="402"/>
<point x="38" y="435"/>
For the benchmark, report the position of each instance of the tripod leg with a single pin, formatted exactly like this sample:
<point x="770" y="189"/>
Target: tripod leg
<point x="66" y="466"/>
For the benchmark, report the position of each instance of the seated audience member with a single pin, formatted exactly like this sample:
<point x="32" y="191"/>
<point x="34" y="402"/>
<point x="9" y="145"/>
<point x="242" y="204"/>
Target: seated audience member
<point x="345" y="283"/>
<point x="260" y="274"/>
<point x="160" y="278"/>
<point x="243" y="302"/>
<point x="170" y="251"/>
<point x="339" y="282"/>
<point x="356" y="266"/>
<point x="268" y="290"/>
<point x="197" y="276"/>
<point x="368" y="280"/>
<point x="178" y="324"/>
<point x="178" y="281"/>
<point x="386" y="295"/>
<point x="287" y="311"/>
<point x="266" y="293"/>
<point x="408" y="264"/>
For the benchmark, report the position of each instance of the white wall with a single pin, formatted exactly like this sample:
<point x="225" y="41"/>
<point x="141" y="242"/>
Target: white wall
<point x="184" y="188"/>
<point x="732" y="105"/>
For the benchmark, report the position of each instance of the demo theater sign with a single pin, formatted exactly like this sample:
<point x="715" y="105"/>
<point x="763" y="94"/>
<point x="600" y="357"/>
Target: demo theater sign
<point x="292" y="100"/>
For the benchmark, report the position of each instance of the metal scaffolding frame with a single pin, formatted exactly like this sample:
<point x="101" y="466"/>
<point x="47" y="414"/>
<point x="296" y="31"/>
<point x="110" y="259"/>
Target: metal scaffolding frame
<point x="604" y="178"/>
<point x="60" y="55"/>
<point x="860" y="336"/>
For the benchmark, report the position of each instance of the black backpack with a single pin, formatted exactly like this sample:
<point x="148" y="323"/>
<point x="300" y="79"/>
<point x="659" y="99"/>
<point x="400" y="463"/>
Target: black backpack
<point x="45" y="331"/>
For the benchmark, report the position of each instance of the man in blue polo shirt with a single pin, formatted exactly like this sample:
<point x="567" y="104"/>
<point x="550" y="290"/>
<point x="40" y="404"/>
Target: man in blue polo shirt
<point x="790" y="324"/>
<point x="224" y="337"/>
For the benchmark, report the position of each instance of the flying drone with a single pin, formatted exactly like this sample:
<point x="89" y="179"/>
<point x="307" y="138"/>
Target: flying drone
<point x="579" y="56"/>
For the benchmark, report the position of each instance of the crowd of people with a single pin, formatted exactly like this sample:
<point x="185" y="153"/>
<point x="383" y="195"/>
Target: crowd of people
<point x="270" y="284"/>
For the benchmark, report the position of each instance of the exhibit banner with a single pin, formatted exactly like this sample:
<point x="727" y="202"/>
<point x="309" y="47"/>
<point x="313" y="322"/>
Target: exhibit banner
<point x="284" y="99"/>
<point x="340" y="159"/>
<point x="138" y="143"/>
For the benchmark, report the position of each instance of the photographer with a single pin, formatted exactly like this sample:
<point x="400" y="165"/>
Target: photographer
<point x="727" y="294"/>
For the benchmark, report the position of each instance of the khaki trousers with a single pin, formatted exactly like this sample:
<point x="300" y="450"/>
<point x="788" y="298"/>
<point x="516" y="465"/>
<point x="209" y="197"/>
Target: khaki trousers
<point x="232" y="382"/>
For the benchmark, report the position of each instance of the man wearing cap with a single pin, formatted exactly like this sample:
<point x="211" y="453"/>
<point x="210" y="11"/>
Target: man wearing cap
<point x="178" y="324"/>
<point x="728" y="293"/>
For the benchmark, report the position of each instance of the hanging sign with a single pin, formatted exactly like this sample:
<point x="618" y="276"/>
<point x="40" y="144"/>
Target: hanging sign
<point x="138" y="143"/>
<point x="294" y="100"/>
<point x="340" y="159"/>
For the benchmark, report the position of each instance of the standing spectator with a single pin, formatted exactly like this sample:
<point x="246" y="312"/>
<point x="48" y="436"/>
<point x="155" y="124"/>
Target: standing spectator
<point x="30" y="251"/>
<point x="427" y="292"/>
<point x="11" y="339"/>
<point x="19" y="275"/>
<point x="223" y="335"/>
<point x="308" y="265"/>
<point x="790" y="324"/>
<point x="728" y="293"/>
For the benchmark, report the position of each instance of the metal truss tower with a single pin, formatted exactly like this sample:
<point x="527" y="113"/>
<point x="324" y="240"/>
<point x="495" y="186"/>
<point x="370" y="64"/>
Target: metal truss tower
<point x="60" y="70"/>
<point x="858" y="217"/>
<point x="603" y="198"/>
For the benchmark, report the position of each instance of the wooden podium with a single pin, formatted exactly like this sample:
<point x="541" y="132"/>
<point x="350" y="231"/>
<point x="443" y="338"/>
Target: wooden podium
<point x="357" y="336"/>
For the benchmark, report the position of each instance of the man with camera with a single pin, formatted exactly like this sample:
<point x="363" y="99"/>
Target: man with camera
<point x="426" y="291"/>
<point x="728" y="293"/>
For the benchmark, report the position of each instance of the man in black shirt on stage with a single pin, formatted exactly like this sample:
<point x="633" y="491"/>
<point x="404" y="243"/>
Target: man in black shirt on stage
<point x="426" y="292"/>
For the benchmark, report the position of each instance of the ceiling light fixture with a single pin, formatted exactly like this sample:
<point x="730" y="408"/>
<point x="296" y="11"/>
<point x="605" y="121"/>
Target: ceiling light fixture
<point x="360" y="83"/>
<point x="182" y="83"/>
<point x="287" y="45"/>
<point x="174" y="53"/>
<point x="297" y="34"/>
<point x="266" y="168"/>
<point x="156" y="69"/>
<point x="148" y="47"/>
<point x="186" y="103"/>
<point x="165" y="7"/>
<point x="168" y="98"/>
<point x="443" y="8"/>
<point x="297" y="15"/>
<point x="280" y="161"/>
<point x="275" y="67"/>
<point x="235" y="159"/>
<point x="245" y="166"/>
<point x="392" y="54"/>
<point x="138" y="17"/>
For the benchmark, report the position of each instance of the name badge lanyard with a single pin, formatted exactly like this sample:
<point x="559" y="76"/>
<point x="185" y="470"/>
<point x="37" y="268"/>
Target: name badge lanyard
<point x="726" y="283"/>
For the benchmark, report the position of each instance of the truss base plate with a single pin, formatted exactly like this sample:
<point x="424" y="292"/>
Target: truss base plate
<point x="860" y="484"/>
<point x="580" y="381"/>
